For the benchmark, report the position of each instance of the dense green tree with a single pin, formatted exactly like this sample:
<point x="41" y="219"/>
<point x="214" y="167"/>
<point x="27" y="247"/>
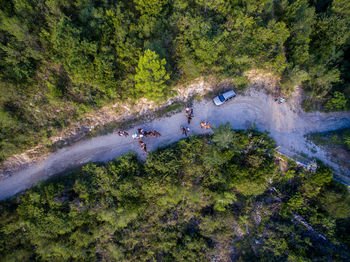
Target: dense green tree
<point x="149" y="7"/>
<point x="151" y="77"/>
<point x="337" y="103"/>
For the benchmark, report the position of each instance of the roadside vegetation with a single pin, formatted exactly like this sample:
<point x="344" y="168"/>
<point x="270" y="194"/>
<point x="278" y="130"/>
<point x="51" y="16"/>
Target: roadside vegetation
<point x="61" y="59"/>
<point x="335" y="138"/>
<point x="214" y="196"/>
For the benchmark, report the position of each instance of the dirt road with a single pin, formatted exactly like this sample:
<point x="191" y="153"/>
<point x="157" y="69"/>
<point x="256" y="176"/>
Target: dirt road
<point x="286" y="123"/>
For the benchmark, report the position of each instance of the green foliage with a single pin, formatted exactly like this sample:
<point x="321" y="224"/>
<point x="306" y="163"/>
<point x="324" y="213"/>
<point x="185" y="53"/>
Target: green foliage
<point x="149" y="7"/>
<point x="335" y="200"/>
<point x="187" y="202"/>
<point x="347" y="140"/>
<point x="151" y="77"/>
<point x="293" y="79"/>
<point x="337" y="103"/>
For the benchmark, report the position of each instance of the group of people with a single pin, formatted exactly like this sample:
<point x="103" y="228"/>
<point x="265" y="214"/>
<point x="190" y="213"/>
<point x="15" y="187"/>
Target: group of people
<point x="189" y="115"/>
<point x="140" y="134"/>
<point x="185" y="130"/>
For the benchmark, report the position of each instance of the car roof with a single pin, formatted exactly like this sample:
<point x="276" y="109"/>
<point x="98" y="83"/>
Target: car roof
<point x="229" y="93"/>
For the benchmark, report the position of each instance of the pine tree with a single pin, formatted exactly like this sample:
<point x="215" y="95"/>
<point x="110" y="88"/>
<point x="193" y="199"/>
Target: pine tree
<point x="151" y="77"/>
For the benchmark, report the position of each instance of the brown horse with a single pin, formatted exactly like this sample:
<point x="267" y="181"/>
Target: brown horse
<point x="148" y="133"/>
<point x="189" y="118"/>
<point x="156" y="133"/>
<point x="143" y="146"/>
<point x="206" y="125"/>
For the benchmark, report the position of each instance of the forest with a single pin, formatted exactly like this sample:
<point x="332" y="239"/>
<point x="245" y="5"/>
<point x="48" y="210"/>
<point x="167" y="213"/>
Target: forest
<point x="61" y="59"/>
<point x="216" y="197"/>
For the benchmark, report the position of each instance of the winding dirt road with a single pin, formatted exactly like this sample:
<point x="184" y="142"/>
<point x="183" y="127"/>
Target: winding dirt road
<point x="286" y="123"/>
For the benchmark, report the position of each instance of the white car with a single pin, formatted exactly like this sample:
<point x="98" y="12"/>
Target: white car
<point x="220" y="99"/>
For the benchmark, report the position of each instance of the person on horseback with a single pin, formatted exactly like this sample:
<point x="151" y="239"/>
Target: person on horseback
<point x="143" y="146"/>
<point x="187" y="111"/>
<point x="122" y="133"/>
<point x="141" y="131"/>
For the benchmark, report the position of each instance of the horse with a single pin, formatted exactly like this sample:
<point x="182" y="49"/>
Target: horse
<point x="143" y="146"/>
<point x="148" y="133"/>
<point x="206" y="125"/>
<point x="156" y="133"/>
<point x="189" y="118"/>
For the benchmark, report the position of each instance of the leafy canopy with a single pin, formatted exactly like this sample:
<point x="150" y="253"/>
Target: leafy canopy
<point x="151" y="77"/>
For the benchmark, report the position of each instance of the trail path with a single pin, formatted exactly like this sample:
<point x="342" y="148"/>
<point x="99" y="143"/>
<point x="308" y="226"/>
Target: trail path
<point x="286" y="123"/>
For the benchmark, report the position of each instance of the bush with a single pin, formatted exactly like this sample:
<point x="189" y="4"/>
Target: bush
<point x="337" y="103"/>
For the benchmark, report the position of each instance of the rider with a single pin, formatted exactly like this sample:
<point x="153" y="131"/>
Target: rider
<point x="187" y="111"/>
<point x="121" y="133"/>
<point x="141" y="131"/>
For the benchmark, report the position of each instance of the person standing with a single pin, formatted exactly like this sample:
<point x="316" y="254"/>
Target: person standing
<point x="187" y="111"/>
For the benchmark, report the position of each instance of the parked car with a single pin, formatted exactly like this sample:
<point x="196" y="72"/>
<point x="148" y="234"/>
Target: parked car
<point x="220" y="99"/>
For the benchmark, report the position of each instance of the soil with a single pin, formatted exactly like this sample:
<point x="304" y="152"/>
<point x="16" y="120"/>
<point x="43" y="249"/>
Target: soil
<point x="286" y="122"/>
